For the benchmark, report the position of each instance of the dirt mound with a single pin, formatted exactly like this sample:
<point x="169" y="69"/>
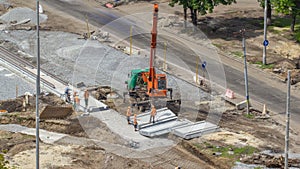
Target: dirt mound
<point x="12" y="105"/>
<point x="14" y="143"/>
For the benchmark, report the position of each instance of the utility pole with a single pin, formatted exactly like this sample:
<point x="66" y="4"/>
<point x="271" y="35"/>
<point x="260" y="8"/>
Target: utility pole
<point x="286" y="152"/>
<point x="37" y="119"/>
<point x="265" y="43"/>
<point x="245" y="70"/>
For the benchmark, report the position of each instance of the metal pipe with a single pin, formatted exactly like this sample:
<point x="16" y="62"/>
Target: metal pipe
<point x="265" y="32"/>
<point x="286" y="151"/>
<point x="37" y="119"/>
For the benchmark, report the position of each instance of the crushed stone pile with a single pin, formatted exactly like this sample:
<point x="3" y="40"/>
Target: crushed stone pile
<point x="21" y="14"/>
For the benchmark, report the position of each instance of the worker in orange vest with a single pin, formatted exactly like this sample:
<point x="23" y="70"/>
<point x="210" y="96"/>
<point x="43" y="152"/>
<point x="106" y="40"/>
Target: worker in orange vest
<point x="152" y="114"/>
<point x="86" y="98"/>
<point x="128" y="114"/>
<point x="76" y="102"/>
<point x="135" y="123"/>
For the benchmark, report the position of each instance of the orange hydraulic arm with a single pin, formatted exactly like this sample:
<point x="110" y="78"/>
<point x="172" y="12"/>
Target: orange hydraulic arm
<point x="151" y="80"/>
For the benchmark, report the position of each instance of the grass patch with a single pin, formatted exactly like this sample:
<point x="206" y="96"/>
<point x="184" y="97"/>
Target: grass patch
<point x="249" y="116"/>
<point x="257" y="168"/>
<point x="282" y="22"/>
<point x="229" y="151"/>
<point x="262" y="66"/>
<point x="217" y="45"/>
<point x="297" y="36"/>
<point x="238" y="54"/>
<point x="3" y="162"/>
<point x="274" y="30"/>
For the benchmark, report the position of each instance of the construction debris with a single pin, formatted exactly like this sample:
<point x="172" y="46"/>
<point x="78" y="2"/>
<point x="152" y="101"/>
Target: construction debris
<point x="270" y="161"/>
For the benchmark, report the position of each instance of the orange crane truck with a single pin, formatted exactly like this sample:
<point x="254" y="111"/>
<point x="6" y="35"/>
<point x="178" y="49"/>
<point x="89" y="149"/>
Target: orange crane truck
<point x="147" y="88"/>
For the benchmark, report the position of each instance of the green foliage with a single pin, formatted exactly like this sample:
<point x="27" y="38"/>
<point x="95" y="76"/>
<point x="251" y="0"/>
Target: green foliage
<point x="3" y="162"/>
<point x="249" y="116"/>
<point x="202" y="6"/>
<point x="229" y="151"/>
<point x="267" y="66"/>
<point x="238" y="54"/>
<point x="297" y="36"/>
<point x="257" y="168"/>
<point x="217" y="45"/>
<point x="284" y="6"/>
<point x="282" y="22"/>
<point x="287" y="7"/>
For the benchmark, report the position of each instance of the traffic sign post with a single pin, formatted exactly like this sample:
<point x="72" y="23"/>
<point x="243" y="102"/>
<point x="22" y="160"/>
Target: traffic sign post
<point x="266" y="43"/>
<point x="264" y="61"/>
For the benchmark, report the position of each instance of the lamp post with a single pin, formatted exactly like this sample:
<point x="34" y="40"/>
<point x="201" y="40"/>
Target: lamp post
<point x="265" y="34"/>
<point x="37" y="119"/>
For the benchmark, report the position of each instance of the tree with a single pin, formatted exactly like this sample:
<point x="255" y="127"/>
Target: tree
<point x="199" y="6"/>
<point x="288" y="7"/>
<point x="269" y="10"/>
<point x="185" y="5"/>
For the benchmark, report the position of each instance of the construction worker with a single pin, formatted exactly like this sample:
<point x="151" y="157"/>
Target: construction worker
<point x="135" y="123"/>
<point x="76" y="103"/>
<point x="86" y="98"/>
<point x="152" y="114"/>
<point x="67" y="94"/>
<point x="128" y="114"/>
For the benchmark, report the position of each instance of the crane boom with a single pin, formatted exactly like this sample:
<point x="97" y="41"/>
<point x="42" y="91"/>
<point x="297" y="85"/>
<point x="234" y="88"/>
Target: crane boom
<point x="153" y="49"/>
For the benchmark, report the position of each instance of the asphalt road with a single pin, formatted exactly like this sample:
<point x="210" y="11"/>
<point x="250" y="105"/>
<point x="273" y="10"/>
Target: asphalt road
<point x="260" y="90"/>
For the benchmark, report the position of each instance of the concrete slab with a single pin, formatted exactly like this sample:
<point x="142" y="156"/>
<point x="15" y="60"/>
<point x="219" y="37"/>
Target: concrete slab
<point x="45" y="136"/>
<point x="195" y="129"/>
<point x="118" y="124"/>
<point x="162" y="115"/>
<point x="162" y="128"/>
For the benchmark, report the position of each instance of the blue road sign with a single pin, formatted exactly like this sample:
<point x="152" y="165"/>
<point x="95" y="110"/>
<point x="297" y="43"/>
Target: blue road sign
<point x="266" y="43"/>
<point x="204" y="64"/>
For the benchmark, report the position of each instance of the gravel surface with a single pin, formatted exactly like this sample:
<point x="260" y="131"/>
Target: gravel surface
<point x="77" y="60"/>
<point x="8" y="83"/>
<point x="20" y="14"/>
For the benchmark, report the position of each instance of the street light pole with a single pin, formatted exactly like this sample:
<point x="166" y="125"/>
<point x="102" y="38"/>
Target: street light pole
<point x="286" y="151"/>
<point x="265" y="33"/>
<point x="37" y="119"/>
<point x="245" y="71"/>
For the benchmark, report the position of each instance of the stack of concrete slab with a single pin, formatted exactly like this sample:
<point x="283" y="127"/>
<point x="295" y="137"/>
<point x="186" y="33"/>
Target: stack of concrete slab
<point x="163" y="115"/>
<point x="167" y="122"/>
<point x="163" y="128"/>
<point x="194" y="130"/>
